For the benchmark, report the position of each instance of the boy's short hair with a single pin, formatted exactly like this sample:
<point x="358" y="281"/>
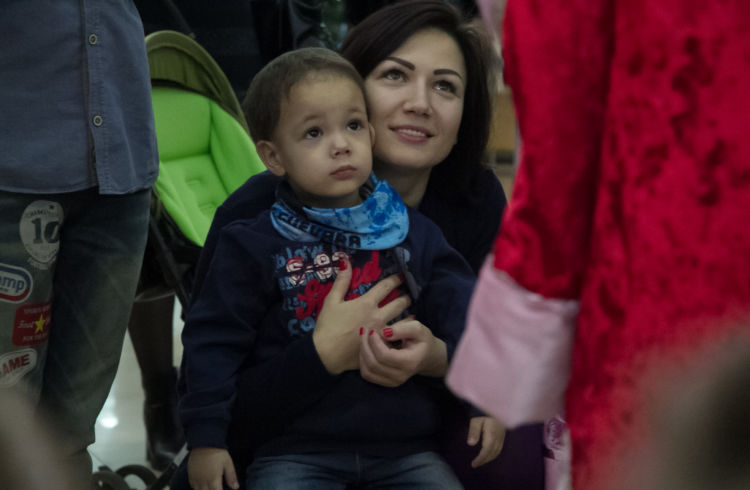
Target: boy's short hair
<point x="262" y="103"/>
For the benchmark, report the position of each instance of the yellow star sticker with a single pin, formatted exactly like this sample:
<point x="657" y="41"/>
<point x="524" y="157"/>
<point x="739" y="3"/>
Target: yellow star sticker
<point x="39" y="324"/>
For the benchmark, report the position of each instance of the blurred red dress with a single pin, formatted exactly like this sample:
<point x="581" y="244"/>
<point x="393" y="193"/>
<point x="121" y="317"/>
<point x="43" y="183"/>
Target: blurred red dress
<point x="632" y="202"/>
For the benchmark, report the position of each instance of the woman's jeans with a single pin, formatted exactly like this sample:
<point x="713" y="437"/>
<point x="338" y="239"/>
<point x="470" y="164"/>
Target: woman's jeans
<point x="69" y="267"/>
<point x="346" y="470"/>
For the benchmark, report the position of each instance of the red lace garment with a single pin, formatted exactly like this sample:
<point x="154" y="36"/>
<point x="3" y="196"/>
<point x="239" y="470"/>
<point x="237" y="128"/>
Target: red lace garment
<point x="633" y="194"/>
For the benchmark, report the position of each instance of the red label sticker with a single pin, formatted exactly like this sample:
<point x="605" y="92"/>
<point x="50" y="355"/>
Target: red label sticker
<point x="32" y="324"/>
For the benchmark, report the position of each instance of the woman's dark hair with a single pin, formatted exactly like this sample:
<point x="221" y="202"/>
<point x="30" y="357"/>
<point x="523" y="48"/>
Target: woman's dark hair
<point x="384" y="31"/>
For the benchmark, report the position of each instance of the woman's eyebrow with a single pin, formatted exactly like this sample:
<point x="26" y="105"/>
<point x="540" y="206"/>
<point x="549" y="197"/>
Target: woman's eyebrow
<point x="447" y="71"/>
<point x="439" y="71"/>
<point x="401" y="62"/>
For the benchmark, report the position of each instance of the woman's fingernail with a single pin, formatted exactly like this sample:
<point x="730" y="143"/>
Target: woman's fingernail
<point x="388" y="332"/>
<point x="342" y="265"/>
<point x="371" y="332"/>
<point x="361" y="330"/>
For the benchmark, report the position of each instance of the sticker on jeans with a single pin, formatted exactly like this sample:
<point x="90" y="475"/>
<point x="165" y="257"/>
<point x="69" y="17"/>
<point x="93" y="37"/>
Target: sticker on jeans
<point x="40" y="231"/>
<point x="15" y="284"/>
<point x="32" y="324"/>
<point x="14" y="365"/>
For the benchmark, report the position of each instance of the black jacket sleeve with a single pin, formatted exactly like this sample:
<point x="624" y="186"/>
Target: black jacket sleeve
<point x="492" y="206"/>
<point x="448" y="284"/>
<point x="470" y="225"/>
<point x="219" y="333"/>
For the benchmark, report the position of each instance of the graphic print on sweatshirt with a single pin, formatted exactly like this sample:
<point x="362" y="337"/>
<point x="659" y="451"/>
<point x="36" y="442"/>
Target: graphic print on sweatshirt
<point x="306" y="275"/>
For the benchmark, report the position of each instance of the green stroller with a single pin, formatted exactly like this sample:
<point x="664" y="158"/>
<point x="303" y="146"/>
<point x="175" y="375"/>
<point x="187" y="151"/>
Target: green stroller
<point x="205" y="153"/>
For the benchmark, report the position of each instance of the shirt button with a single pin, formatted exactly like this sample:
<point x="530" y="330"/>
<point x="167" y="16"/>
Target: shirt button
<point x="98" y="120"/>
<point x="93" y="39"/>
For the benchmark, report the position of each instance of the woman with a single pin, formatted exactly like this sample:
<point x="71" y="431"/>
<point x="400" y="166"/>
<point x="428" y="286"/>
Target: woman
<point x="424" y="68"/>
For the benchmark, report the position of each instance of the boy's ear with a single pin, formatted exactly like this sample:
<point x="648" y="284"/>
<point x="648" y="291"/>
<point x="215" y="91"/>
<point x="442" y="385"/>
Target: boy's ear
<point x="372" y="134"/>
<point x="270" y="157"/>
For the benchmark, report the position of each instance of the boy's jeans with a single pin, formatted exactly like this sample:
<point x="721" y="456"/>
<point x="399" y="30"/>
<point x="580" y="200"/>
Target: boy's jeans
<point x="69" y="267"/>
<point x="331" y="471"/>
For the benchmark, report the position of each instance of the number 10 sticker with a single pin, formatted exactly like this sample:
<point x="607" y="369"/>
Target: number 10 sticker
<point x="40" y="230"/>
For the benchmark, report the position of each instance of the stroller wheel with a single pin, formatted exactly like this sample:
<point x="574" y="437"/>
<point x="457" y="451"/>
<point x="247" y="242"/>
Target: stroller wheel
<point x="140" y="471"/>
<point x="106" y="479"/>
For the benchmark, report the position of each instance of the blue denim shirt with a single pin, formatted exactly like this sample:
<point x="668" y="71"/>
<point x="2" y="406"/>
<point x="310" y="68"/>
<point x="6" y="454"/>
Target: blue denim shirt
<point x="75" y="103"/>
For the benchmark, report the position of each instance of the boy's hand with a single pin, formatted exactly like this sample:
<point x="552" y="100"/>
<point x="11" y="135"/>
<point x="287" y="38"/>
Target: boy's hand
<point x="339" y="324"/>
<point x="207" y="466"/>
<point x="492" y="434"/>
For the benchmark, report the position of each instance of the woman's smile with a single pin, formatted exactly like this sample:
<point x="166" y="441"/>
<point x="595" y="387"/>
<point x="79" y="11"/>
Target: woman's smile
<point x="411" y="134"/>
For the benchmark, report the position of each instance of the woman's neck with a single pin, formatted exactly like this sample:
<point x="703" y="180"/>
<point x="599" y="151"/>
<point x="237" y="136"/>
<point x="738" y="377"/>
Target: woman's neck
<point x="410" y="184"/>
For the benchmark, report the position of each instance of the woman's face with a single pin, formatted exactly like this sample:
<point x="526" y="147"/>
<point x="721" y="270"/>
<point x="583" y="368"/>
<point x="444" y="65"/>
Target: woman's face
<point x="416" y="99"/>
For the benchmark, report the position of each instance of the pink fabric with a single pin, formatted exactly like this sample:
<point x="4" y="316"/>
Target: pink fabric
<point x="513" y="360"/>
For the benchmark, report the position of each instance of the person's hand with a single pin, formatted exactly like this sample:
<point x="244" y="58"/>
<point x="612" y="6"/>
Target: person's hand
<point x="207" y="466"/>
<point x="390" y="356"/>
<point x="339" y="324"/>
<point x="491" y="432"/>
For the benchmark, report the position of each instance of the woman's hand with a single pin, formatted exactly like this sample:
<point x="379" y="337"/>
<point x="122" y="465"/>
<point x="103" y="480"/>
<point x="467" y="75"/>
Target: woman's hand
<point x="393" y="354"/>
<point x="491" y="432"/>
<point x="337" y="329"/>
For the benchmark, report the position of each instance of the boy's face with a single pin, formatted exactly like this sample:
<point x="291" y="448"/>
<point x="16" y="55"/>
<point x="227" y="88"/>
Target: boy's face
<point x="323" y="142"/>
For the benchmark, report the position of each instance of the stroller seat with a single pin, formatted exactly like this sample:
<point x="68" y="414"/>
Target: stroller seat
<point x="204" y="155"/>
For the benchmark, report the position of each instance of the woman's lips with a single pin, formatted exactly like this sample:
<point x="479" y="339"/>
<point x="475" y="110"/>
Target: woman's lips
<point x="411" y="134"/>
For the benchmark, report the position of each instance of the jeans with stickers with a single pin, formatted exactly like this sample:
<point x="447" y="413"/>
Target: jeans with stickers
<point x="69" y="268"/>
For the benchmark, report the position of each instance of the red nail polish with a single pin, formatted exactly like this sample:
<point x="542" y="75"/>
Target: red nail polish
<point x="361" y="330"/>
<point x="342" y="265"/>
<point x="371" y="332"/>
<point x="388" y="332"/>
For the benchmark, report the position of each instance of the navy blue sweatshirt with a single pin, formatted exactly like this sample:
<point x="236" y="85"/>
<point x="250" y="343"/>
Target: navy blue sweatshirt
<point x="255" y="312"/>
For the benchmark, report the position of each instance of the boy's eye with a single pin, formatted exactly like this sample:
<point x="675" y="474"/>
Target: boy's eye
<point x="355" y="125"/>
<point x="313" y="133"/>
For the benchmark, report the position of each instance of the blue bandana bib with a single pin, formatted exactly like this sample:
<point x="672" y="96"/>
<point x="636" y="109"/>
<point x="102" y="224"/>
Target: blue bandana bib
<point x="380" y="222"/>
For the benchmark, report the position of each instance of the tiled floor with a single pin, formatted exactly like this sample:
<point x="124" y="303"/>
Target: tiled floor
<point x="120" y="434"/>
